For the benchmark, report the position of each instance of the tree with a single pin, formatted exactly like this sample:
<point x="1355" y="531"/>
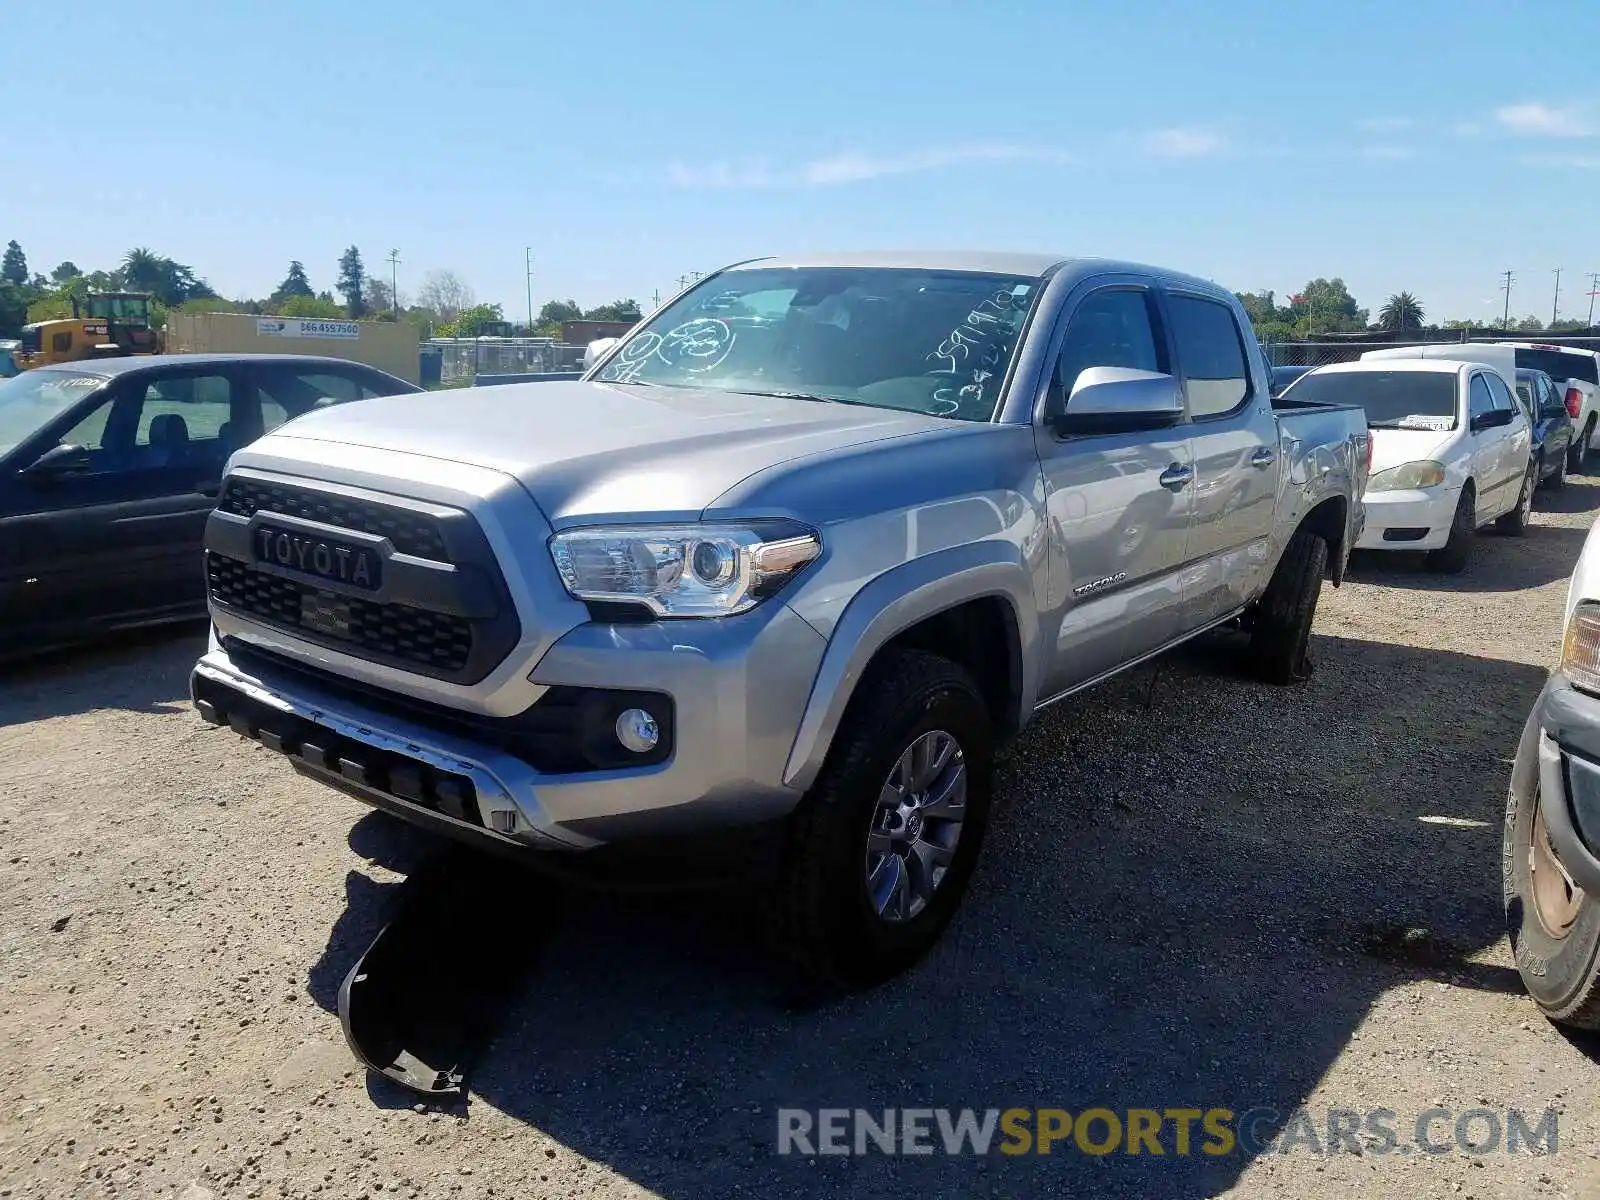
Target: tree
<point x="142" y="270"/>
<point x="352" y="282"/>
<point x="171" y="283"/>
<point x="379" y="300"/>
<point x="1326" y="306"/>
<point x="617" y="310"/>
<point x="13" y="308"/>
<point x="1401" y="311"/>
<point x="14" y="266"/>
<point x="294" y="283"/>
<point x="444" y="294"/>
<point x="325" y="307"/>
<point x="1528" y="323"/>
<point x="65" y="271"/>
<point x="472" y="322"/>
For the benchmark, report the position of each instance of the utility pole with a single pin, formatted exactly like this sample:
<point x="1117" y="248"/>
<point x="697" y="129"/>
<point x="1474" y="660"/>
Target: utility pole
<point x="1555" y="304"/>
<point x="1505" y="319"/>
<point x="527" y="262"/>
<point x="394" y="282"/>
<point x="1594" y="285"/>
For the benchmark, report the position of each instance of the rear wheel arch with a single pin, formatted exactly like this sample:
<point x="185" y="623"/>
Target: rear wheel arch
<point x="1329" y="520"/>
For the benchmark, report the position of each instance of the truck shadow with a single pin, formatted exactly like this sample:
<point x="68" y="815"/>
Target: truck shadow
<point x="1195" y="889"/>
<point x="1499" y="563"/>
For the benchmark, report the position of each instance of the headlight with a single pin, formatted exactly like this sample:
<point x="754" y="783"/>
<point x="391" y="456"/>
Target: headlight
<point x="711" y="570"/>
<point x="1580" y="649"/>
<point x="1424" y="474"/>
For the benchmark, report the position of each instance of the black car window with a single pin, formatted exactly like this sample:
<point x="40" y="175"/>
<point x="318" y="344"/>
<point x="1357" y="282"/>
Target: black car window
<point x="1501" y="393"/>
<point x="1210" y="355"/>
<point x="1111" y="328"/>
<point x="178" y="421"/>
<point x="1560" y="365"/>
<point x="1480" y="399"/>
<point x="288" y="392"/>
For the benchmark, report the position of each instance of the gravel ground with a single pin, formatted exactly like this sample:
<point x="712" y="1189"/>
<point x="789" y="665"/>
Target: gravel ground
<point x="1196" y="893"/>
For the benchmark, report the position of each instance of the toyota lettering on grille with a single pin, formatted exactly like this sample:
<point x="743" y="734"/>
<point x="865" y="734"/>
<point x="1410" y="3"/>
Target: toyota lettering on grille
<point x="323" y="558"/>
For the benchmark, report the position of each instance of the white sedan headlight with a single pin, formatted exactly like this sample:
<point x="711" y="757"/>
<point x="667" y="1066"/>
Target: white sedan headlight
<point x="711" y="570"/>
<point x="1580" y="649"/>
<point x="1423" y="474"/>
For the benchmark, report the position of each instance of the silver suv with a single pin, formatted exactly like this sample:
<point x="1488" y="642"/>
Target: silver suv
<point x="795" y="556"/>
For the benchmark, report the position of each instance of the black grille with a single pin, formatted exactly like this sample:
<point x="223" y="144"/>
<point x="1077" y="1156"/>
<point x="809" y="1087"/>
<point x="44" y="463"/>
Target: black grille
<point x="412" y="533"/>
<point x="436" y="641"/>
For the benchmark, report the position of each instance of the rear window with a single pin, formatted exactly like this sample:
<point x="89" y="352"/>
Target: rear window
<point x="1560" y="365"/>
<point x="1392" y="399"/>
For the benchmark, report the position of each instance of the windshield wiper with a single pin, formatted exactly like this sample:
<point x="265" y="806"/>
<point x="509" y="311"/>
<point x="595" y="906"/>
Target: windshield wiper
<point x="813" y="396"/>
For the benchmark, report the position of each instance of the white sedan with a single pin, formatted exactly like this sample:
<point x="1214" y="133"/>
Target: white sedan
<point x="1449" y="451"/>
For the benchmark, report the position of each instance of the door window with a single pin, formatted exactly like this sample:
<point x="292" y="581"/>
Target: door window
<point x="178" y="421"/>
<point x="1111" y="328"/>
<point x="287" y="393"/>
<point x="1479" y="399"/>
<point x="1210" y="356"/>
<point x="1501" y="393"/>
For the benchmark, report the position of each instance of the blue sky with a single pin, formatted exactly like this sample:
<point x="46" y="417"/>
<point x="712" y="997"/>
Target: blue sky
<point x="1425" y="146"/>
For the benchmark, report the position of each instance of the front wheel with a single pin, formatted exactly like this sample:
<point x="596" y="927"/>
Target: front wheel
<point x="882" y="847"/>
<point x="1281" y="629"/>
<point x="1457" y="551"/>
<point x="1553" y="924"/>
<point x="1515" y="522"/>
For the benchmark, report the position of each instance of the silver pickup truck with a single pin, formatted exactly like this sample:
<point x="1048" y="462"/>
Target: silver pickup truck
<point x="795" y="556"/>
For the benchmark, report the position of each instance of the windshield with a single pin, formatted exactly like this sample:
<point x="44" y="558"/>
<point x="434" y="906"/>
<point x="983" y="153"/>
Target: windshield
<point x="1392" y="399"/>
<point x="31" y="400"/>
<point x="124" y="310"/>
<point x="935" y="342"/>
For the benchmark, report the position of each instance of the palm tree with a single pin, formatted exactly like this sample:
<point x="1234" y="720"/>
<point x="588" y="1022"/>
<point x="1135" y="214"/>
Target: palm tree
<point x="1401" y="311"/>
<point x="143" y="270"/>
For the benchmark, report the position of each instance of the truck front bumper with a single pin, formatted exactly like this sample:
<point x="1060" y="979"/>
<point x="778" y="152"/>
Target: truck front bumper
<point x="735" y="692"/>
<point x="1559" y="761"/>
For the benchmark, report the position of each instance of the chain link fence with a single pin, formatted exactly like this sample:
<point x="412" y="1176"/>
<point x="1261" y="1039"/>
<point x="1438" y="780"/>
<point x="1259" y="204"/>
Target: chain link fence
<point x="1348" y="349"/>
<point x="460" y="359"/>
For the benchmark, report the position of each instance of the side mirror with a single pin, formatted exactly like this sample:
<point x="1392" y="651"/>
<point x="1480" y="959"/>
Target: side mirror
<point x="1496" y="418"/>
<point x="597" y="350"/>
<point x="1119" y="399"/>
<point x="58" y="461"/>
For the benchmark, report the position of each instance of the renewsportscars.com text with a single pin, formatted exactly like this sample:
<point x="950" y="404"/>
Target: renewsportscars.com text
<point x="1164" y="1132"/>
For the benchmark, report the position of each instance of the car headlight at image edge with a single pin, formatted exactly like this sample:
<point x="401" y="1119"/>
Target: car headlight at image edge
<point x="710" y="570"/>
<point x="1423" y="474"/>
<point x="1580" y="649"/>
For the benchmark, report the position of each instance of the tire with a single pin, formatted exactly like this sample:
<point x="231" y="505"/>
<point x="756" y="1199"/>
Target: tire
<point x="822" y="917"/>
<point x="1557" y="479"/>
<point x="1578" y="456"/>
<point x="1453" y="558"/>
<point x="1281" y="628"/>
<point x="1515" y="522"/>
<point x="1560" y="967"/>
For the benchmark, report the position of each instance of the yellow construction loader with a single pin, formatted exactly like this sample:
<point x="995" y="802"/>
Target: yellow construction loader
<point x="106" y="325"/>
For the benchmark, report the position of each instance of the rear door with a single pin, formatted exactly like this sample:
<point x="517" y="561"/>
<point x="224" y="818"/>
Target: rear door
<point x="1119" y="503"/>
<point x="1486" y="449"/>
<point x="1234" y="437"/>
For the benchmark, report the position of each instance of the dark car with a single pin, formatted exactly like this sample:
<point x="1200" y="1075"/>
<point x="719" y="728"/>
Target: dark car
<point x="1551" y="424"/>
<point x="1282" y="377"/>
<point x="109" y="467"/>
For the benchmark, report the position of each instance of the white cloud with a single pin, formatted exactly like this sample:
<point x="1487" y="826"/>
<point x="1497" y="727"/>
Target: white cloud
<point x="1582" y="162"/>
<point x="1388" y="153"/>
<point x="1541" y="120"/>
<point x="851" y="167"/>
<point x="1182" y="143"/>
<point x="1386" y="124"/>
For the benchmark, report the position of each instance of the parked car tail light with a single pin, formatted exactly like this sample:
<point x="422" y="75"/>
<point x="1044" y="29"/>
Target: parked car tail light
<point x="1580" y="649"/>
<point x="1574" y="402"/>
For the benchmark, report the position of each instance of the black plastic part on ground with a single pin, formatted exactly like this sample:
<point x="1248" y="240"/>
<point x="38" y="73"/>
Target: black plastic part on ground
<point x="425" y="998"/>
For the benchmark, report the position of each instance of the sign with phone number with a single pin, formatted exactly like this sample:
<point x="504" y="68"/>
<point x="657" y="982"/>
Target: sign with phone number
<point x="306" y="327"/>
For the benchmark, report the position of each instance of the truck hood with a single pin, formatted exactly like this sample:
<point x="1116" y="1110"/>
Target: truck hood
<point x="588" y="451"/>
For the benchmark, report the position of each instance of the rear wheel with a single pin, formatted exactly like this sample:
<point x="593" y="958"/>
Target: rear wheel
<point x="1553" y="924"/>
<point x="1558" y="477"/>
<point x="1578" y="455"/>
<point x="881" y="849"/>
<point x="1457" y="552"/>
<point x="1281" y="629"/>
<point x="1515" y="522"/>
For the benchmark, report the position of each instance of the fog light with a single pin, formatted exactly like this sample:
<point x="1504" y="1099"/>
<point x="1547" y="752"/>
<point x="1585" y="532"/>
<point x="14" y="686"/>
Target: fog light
<point x="637" y="730"/>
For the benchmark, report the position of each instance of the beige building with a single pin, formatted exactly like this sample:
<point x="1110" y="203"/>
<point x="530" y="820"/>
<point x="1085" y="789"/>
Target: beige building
<point x="388" y="345"/>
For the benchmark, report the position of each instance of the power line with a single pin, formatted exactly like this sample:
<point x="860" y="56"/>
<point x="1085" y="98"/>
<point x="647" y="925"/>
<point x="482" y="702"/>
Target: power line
<point x="527" y="263"/>
<point x="394" y="282"/>
<point x="1505" y="319"/>
<point x="1594" y="286"/>
<point x="1556" y="302"/>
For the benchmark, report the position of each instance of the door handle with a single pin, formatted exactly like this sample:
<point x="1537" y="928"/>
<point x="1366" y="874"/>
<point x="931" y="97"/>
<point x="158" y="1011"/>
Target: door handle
<point x="1177" y="477"/>
<point x="1263" y="458"/>
<point x="212" y="490"/>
